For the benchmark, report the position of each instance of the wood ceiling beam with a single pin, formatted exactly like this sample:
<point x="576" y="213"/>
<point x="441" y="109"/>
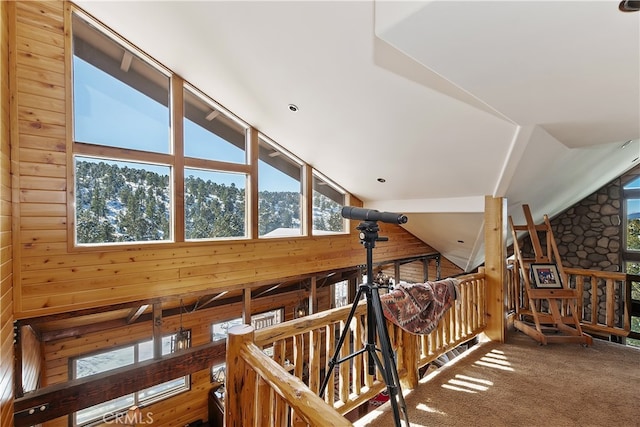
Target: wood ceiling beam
<point x="135" y="313"/>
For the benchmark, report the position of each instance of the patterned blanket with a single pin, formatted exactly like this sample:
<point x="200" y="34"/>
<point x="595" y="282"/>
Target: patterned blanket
<point x="418" y="307"/>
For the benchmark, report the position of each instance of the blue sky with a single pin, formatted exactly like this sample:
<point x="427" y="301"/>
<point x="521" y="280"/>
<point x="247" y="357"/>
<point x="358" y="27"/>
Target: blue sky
<point x="111" y="113"/>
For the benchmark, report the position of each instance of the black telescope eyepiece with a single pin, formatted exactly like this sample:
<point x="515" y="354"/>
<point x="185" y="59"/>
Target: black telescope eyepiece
<point x="351" y="212"/>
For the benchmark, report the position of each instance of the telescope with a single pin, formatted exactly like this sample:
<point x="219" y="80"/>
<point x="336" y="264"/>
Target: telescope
<point x="351" y="212"/>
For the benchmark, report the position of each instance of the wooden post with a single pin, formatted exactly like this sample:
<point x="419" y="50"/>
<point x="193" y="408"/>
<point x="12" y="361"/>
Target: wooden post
<point x="313" y="296"/>
<point x="157" y="331"/>
<point x="495" y="230"/>
<point x="237" y="337"/>
<point x="409" y="361"/>
<point x="246" y="306"/>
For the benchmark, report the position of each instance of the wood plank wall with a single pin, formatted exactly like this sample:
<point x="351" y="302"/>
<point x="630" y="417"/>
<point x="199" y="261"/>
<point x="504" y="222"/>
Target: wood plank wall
<point x="6" y="249"/>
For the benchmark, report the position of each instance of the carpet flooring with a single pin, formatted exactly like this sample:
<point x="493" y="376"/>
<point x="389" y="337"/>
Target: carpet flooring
<point x="522" y="383"/>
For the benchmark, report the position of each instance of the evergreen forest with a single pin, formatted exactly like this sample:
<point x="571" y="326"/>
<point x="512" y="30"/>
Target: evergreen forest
<point x="118" y="203"/>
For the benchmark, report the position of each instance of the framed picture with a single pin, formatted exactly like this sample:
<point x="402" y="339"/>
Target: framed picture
<point x="545" y="276"/>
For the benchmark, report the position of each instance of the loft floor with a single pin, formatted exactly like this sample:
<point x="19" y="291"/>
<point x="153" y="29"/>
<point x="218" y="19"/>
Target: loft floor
<point x="522" y="383"/>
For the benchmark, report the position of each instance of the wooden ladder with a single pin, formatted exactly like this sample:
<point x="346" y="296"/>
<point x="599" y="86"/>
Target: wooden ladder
<point x="553" y="311"/>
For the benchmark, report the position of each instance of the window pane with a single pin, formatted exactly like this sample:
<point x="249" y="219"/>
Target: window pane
<point x="327" y="206"/>
<point x="341" y="293"/>
<point x="119" y="100"/>
<point x="98" y="363"/>
<point x="279" y="193"/>
<point x="633" y="185"/>
<point x="214" y="204"/>
<point x="102" y="362"/>
<point x="220" y="330"/>
<point x="633" y="224"/>
<point x="104" y="410"/>
<point x="163" y="390"/>
<point x="145" y="348"/>
<point x="121" y="201"/>
<point x="211" y="134"/>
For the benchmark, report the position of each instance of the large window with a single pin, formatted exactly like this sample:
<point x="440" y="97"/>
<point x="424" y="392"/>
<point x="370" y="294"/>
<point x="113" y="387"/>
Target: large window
<point x="279" y="192"/>
<point x="143" y="175"/>
<point x="105" y="361"/>
<point x="122" y="142"/>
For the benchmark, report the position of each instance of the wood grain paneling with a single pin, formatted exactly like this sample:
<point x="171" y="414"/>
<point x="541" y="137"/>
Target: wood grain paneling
<point x="6" y="248"/>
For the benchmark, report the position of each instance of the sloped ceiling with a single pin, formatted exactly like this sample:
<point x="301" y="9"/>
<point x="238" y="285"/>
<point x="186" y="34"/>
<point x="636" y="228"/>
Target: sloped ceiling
<point x="449" y="101"/>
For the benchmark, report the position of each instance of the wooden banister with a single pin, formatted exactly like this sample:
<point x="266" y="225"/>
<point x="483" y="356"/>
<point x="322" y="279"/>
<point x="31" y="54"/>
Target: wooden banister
<point x="253" y="376"/>
<point x="278" y="394"/>
<point x="602" y="313"/>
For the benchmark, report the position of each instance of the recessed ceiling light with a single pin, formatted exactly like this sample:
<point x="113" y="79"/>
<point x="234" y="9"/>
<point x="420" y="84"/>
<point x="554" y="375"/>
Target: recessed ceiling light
<point x="382" y="180"/>
<point x="293" y="107"/>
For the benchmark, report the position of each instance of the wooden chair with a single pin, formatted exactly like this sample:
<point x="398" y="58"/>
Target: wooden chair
<point x="550" y="315"/>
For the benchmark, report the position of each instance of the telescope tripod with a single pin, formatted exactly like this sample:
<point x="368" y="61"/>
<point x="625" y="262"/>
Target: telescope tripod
<point x="375" y="325"/>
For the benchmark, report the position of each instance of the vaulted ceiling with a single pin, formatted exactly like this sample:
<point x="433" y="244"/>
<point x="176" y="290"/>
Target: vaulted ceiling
<point x="448" y="101"/>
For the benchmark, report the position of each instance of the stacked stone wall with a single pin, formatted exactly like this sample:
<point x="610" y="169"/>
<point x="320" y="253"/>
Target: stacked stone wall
<point x="589" y="233"/>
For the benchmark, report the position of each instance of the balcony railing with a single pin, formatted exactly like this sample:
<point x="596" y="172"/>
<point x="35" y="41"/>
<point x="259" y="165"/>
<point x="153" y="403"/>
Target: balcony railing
<point x="605" y="302"/>
<point x="283" y="390"/>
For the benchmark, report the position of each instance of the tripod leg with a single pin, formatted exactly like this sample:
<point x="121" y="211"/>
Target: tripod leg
<point x="334" y="360"/>
<point x="390" y="371"/>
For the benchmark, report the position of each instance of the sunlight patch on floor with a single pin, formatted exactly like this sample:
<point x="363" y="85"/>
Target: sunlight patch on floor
<point x="429" y="409"/>
<point x="495" y="359"/>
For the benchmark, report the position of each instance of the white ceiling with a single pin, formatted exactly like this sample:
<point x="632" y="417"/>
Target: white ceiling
<point x="449" y="101"/>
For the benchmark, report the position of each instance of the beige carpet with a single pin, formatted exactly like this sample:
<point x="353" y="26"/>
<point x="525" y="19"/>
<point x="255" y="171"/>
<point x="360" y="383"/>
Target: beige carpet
<point x="521" y="383"/>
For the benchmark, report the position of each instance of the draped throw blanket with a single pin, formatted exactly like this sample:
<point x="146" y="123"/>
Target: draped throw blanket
<point x="418" y="307"/>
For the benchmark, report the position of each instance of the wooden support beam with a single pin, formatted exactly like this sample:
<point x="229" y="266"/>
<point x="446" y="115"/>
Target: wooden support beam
<point x="246" y="306"/>
<point x="47" y="336"/>
<point x="17" y="361"/>
<point x="157" y="331"/>
<point x="313" y="296"/>
<point x="62" y="399"/>
<point x="136" y="312"/>
<point x="495" y="230"/>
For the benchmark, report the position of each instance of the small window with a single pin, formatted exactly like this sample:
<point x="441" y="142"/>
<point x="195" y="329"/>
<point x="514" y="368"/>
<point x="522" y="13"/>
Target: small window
<point x="219" y="332"/>
<point x="328" y="201"/>
<point x="341" y="294"/>
<point x="117" y="358"/>
<point x="279" y="192"/>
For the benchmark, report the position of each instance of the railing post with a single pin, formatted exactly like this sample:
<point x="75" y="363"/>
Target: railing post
<point x="409" y="360"/>
<point x="238" y="336"/>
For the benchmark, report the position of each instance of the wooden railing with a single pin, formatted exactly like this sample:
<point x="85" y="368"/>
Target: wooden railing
<point x="603" y="309"/>
<point x="282" y="389"/>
